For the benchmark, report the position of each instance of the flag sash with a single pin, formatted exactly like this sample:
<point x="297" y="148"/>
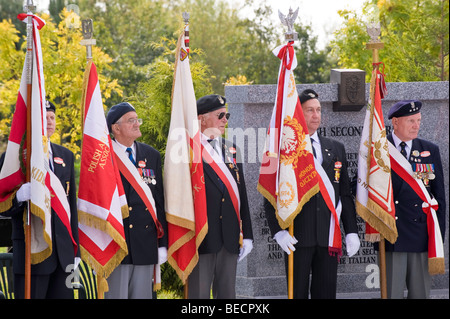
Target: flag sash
<point x="402" y="167"/>
<point x="328" y="195"/>
<point x="131" y="174"/>
<point x="211" y="157"/>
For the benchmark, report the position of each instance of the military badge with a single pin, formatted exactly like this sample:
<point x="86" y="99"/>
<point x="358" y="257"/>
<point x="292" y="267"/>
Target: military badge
<point x="337" y="171"/>
<point x="425" y="172"/>
<point x="60" y="161"/>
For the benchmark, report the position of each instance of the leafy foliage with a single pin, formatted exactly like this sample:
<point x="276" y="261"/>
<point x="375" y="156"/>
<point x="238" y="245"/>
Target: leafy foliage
<point x="153" y="97"/>
<point x="64" y="62"/>
<point x="415" y="35"/>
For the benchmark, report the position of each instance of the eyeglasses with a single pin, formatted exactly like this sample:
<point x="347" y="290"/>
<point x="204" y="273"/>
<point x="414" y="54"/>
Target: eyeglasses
<point x="221" y="115"/>
<point x="132" y="121"/>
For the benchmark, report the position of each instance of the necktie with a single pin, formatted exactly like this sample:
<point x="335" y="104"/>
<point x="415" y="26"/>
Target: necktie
<point x="213" y="144"/>
<point x="403" y="150"/>
<point x="130" y="155"/>
<point x="314" y="150"/>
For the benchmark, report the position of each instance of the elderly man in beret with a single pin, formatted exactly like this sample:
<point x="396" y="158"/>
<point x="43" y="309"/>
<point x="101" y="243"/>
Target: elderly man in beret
<point x="48" y="278"/>
<point x="229" y="236"/>
<point x="145" y="227"/>
<point x="312" y="224"/>
<point x="407" y="258"/>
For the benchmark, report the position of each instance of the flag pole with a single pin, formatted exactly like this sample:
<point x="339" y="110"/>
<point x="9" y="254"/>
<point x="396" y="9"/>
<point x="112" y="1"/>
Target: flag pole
<point x="186" y="17"/>
<point x="29" y="60"/>
<point x="375" y="44"/>
<point x="291" y="266"/>
<point x="88" y="32"/>
<point x="88" y="41"/>
<point x="290" y="36"/>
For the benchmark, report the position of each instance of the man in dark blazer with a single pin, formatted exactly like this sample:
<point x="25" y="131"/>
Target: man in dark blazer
<point x="222" y="246"/>
<point x="407" y="258"/>
<point x="48" y="278"/>
<point x="311" y="226"/>
<point x="146" y="238"/>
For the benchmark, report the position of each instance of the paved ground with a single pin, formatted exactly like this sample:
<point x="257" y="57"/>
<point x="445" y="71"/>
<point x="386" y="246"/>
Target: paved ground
<point x="434" y="294"/>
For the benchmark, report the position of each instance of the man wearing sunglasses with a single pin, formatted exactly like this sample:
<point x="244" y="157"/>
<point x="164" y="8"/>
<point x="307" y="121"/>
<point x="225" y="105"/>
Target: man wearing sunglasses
<point x="145" y="228"/>
<point x="229" y="238"/>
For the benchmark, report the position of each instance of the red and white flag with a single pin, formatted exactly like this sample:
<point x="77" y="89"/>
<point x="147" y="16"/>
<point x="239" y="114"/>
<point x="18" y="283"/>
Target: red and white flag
<point x="101" y="199"/>
<point x="46" y="189"/>
<point x="289" y="176"/>
<point x="184" y="184"/>
<point x="374" y="194"/>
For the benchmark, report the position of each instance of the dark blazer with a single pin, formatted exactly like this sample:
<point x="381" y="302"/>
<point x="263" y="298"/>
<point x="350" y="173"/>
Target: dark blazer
<point x="312" y="224"/>
<point x="62" y="252"/>
<point x="139" y="227"/>
<point x="223" y="225"/>
<point x="410" y="219"/>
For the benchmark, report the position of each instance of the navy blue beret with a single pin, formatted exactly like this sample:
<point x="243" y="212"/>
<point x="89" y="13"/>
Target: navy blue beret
<point x="308" y="94"/>
<point x="404" y="108"/>
<point x="210" y="103"/>
<point x="117" y="111"/>
<point x="49" y="106"/>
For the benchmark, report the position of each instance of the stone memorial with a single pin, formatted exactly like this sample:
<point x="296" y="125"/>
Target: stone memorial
<point x="262" y="273"/>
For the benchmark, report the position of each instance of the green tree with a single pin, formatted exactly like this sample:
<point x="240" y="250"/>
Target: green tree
<point x="9" y="9"/>
<point x="415" y="34"/>
<point x="64" y="62"/>
<point x="124" y="29"/>
<point x="153" y="97"/>
<point x="10" y="73"/>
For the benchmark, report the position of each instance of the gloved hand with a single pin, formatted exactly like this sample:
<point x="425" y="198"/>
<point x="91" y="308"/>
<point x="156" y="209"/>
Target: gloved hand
<point x="285" y="241"/>
<point x="162" y="255"/>
<point x="353" y="244"/>
<point x="247" y="246"/>
<point x="24" y="193"/>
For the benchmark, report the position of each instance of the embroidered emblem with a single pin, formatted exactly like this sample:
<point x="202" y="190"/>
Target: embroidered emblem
<point x="293" y="142"/>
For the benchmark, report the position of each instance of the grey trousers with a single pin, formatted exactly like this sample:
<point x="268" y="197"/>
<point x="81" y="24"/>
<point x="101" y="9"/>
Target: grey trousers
<point x="218" y="270"/>
<point x="130" y="282"/>
<point x="410" y="271"/>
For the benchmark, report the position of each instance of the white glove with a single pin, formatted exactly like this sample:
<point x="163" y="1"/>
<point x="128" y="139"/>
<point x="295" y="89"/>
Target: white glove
<point x="247" y="246"/>
<point x="162" y="255"/>
<point x="285" y="241"/>
<point x="24" y="193"/>
<point x="353" y="244"/>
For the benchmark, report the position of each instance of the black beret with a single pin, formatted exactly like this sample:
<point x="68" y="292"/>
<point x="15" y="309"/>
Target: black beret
<point x="308" y="94"/>
<point x="404" y="108"/>
<point x="50" y="106"/>
<point x="210" y="103"/>
<point x="117" y="111"/>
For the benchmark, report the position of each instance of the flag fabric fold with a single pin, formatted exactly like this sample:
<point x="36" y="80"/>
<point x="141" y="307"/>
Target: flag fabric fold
<point x="184" y="184"/>
<point x="374" y="194"/>
<point x="289" y="176"/>
<point x="101" y="199"/>
<point x="46" y="189"/>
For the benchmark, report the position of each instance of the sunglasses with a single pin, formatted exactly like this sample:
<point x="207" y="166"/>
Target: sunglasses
<point x="221" y="115"/>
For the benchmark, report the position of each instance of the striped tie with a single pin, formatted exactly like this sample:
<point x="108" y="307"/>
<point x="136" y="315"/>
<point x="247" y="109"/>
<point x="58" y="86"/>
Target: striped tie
<point x="130" y="155"/>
